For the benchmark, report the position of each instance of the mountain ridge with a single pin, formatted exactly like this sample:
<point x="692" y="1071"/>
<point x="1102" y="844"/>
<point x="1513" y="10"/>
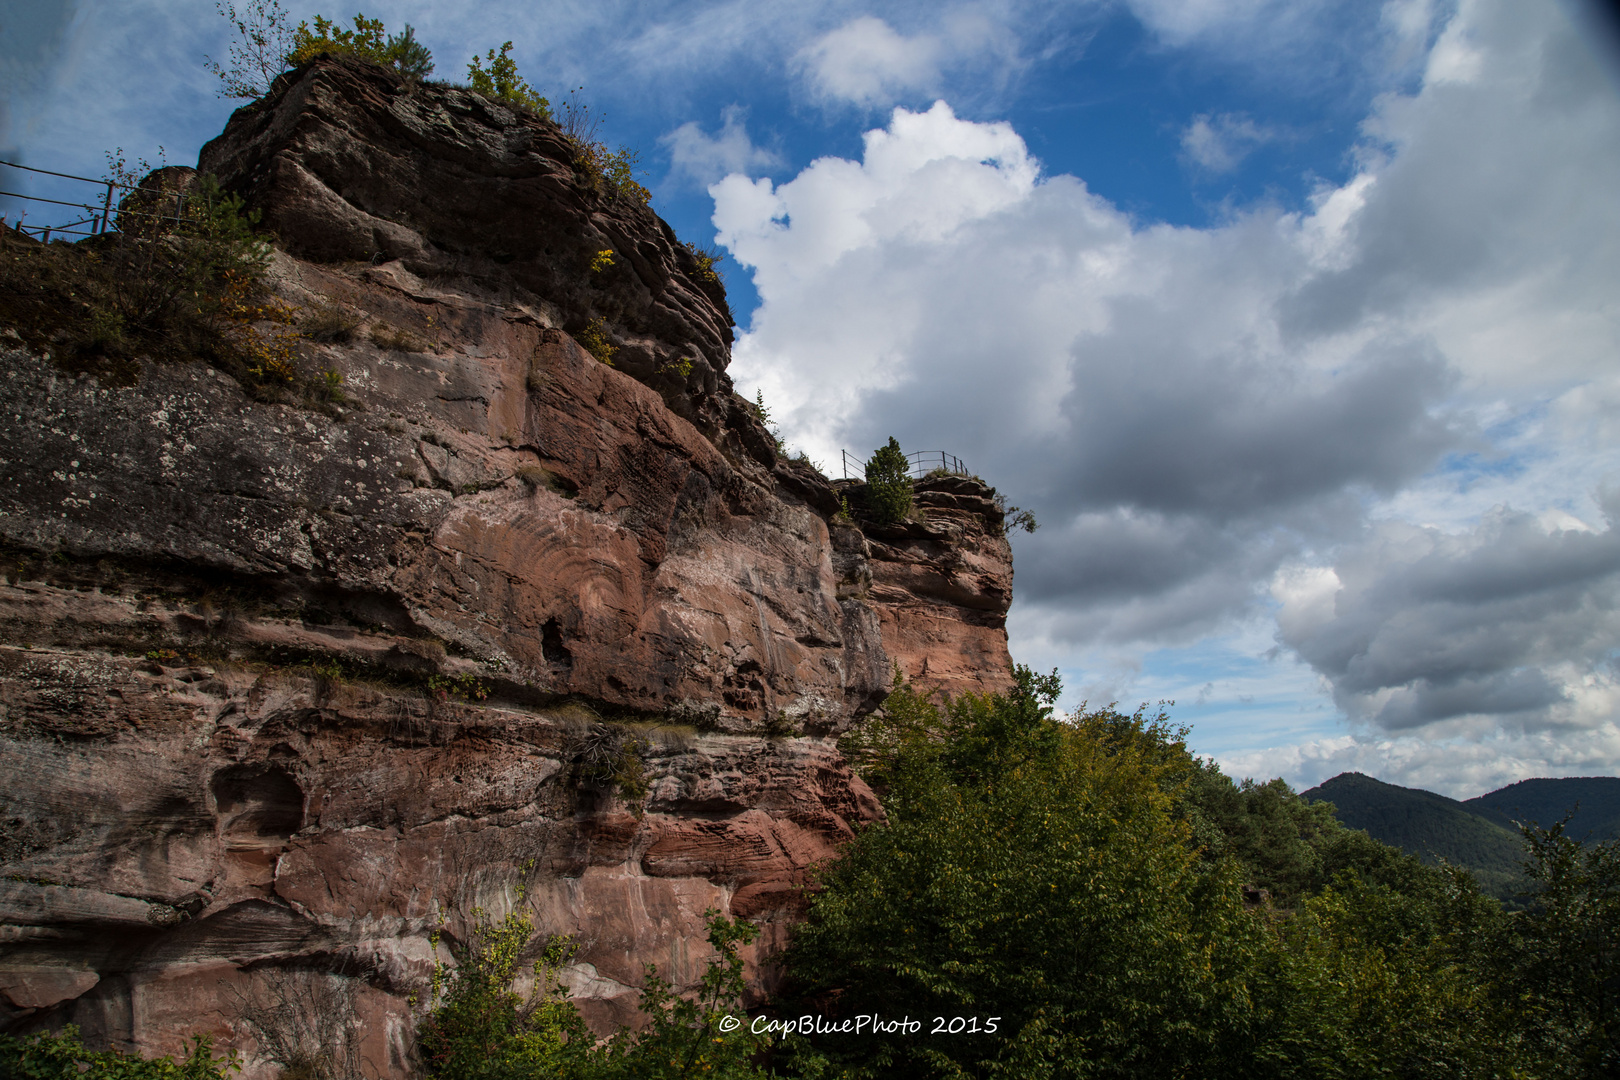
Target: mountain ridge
<point x="1479" y="834"/>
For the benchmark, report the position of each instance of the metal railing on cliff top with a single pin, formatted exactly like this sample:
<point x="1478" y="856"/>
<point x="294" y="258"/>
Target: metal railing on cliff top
<point x="97" y="217"/>
<point x="922" y="462"/>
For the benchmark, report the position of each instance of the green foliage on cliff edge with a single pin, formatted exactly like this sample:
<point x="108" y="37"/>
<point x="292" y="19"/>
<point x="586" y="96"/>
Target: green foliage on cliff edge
<point x="501" y="82"/>
<point x="264" y="46"/>
<point x="888" y="483"/>
<point x="367" y="41"/>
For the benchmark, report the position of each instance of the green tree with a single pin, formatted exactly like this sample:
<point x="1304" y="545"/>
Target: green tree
<point x="1081" y="880"/>
<point x="1033" y="870"/>
<point x="1558" y="962"/>
<point x="1268" y="829"/>
<point x="501" y="82"/>
<point x="408" y="56"/>
<point x="1362" y="981"/>
<point x="888" y="483"/>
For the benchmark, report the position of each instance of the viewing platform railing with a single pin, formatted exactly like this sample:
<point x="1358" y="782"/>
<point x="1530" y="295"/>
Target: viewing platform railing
<point x="922" y="462"/>
<point x="99" y="211"/>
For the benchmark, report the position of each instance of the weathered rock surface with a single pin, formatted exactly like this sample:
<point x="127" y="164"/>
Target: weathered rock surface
<point x="941" y="585"/>
<point x="347" y="163"/>
<point x="245" y="646"/>
<point x="217" y="820"/>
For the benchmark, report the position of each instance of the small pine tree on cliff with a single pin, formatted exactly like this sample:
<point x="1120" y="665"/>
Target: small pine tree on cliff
<point x="888" y="483"/>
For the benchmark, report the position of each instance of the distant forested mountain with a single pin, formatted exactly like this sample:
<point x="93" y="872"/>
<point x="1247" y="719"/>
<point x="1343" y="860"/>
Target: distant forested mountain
<point x="1595" y="801"/>
<point x="1481" y="833"/>
<point x="1430" y="826"/>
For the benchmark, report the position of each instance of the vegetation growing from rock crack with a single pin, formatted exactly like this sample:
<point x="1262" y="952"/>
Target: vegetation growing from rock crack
<point x="61" y="1056"/>
<point x="479" y="1027"/>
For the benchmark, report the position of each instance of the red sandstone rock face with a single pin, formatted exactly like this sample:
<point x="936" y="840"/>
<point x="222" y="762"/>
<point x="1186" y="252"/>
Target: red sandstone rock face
<point x="173" y="829"/>
<point x="942" y="585"/>
<point x="221" y="756"/>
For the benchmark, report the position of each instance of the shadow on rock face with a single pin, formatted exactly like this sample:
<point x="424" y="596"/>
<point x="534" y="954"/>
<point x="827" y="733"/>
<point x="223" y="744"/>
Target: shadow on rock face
<point x="257" y="804"/>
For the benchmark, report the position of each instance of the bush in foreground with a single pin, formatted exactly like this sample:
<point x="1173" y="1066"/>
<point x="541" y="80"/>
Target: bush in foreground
<point x="61" y="1056"/>
<point x="479" y="1028"/>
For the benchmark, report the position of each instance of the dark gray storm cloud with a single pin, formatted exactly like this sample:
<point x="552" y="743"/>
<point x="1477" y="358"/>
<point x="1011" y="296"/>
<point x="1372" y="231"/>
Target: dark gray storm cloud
<point x="1509" y="620"/>
<point x="1238" y="437"/>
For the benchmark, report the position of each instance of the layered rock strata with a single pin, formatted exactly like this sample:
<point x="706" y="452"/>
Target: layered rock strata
<point x="286" y="686"/>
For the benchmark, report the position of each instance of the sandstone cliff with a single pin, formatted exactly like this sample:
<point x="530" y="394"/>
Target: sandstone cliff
<point x="284" y="688"/>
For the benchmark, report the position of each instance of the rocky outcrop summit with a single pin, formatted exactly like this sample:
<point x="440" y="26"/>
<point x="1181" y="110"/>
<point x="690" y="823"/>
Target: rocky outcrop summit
<point x="286" y="686"/>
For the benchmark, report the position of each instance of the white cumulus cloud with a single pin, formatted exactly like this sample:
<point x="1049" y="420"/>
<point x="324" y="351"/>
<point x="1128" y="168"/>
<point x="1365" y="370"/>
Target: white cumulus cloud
<point x="866" y="62"/>
<point x="1192" y="412"/>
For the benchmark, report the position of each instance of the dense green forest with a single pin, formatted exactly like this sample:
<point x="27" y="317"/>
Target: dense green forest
<point x="1083" y="897"/>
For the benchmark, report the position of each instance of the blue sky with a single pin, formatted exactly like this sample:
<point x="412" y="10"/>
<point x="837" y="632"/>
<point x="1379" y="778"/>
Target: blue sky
<point x="1294" y="321"/>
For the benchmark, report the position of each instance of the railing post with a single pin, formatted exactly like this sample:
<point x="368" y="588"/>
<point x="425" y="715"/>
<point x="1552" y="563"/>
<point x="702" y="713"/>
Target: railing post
<point x="106" y="208"/>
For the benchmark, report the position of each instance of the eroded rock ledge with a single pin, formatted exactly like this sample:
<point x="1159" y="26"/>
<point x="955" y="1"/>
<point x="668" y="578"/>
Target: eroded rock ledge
<point x="242" y="644"/>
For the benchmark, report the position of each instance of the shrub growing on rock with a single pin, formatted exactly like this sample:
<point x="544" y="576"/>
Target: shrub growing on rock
<point x="179" y="237"/>
<point x="888" y="484"/>
<point x="708" y="260"/>
<point x="501" y="82"/>
<point x="609" y="172"/>
<point x="479" y="1027"/>
<point x="595" y="340"/>
<point x="401" y="52"/>
<point x="182" y="278"/>
<point x="62" y="1055"/>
